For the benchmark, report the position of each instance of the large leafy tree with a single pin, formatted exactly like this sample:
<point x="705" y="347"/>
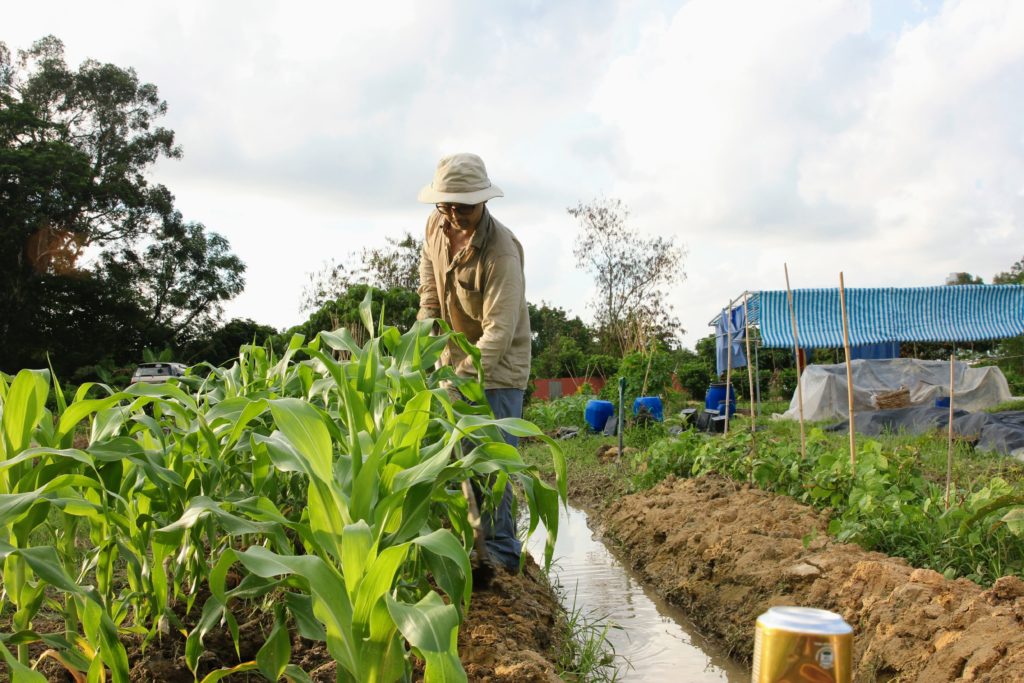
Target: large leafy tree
<point x="631" y="272"/>
<point x="75" y="148"/>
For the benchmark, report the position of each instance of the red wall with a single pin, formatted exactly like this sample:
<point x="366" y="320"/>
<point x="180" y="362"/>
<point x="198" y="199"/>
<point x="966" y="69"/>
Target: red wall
<point x="569" y="385"/>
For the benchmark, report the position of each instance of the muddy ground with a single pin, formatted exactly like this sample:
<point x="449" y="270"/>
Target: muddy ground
<point x="510" y="636"/>
<point x="725" y="552"/>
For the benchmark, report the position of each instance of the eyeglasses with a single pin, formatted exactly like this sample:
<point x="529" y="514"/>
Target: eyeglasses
<point x="460" y="209"/>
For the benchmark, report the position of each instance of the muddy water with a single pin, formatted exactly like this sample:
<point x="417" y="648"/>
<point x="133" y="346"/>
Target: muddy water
<point x="655" y="642"/>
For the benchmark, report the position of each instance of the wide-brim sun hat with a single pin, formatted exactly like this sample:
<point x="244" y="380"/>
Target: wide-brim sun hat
<point x="460" y="179"/>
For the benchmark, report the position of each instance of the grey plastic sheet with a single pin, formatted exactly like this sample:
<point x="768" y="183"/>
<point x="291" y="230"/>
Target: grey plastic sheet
<point x="993" y="432"/>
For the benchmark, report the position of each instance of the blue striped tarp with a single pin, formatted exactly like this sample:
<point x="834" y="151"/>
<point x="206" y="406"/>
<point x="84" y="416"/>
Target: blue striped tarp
<point x="957" y="313"/>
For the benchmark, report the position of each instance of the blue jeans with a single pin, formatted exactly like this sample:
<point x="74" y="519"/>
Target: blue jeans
<point x="500" y="532"/>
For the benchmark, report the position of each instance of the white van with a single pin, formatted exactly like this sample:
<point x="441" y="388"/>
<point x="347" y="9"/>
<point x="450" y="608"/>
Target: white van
<point x="157" y="373"/>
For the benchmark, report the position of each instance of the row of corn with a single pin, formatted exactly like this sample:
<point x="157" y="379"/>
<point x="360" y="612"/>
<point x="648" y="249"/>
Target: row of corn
<point x="321" y="487"/>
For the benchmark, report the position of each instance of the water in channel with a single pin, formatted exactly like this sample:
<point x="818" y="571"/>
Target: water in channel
<point x="656" y="640"/>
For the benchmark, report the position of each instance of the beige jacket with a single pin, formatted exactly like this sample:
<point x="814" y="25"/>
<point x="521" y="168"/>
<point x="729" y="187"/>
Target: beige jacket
<point x="481" y="293"/>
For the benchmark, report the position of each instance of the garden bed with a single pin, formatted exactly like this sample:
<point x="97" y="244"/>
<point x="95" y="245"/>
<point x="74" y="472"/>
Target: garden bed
<point x="725" y="552"/>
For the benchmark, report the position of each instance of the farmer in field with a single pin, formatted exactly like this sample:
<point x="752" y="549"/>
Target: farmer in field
<point x="471" y="276"/>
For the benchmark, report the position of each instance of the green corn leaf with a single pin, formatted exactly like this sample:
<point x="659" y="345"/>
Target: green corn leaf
<point x="200" y="508"/>
<point x="428" y="470"/>
<point x="427" y="625"/>
<point x="217" y="675"/>
<point x="293" y="674"/>
<point x="366" y="312"/>
<point x="23" y="408"/>
<point x="378" y="580"/>
<point x="385" y="648"/>
<point x="430" y="626"/>
<point x="449" y="563"/>
<point x="213" y="612"/>
<point x="357" y="553"/>
<point x="331" y="604"/>
<point x="415" y="503"/>
<point x="19" y="672"/>
<point x="301" y="608"/>
<point x="273" y="657"/>
<point x="303" y="427"/>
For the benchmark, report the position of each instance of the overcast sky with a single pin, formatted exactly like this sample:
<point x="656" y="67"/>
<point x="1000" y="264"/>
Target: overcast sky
<point x="882" y="139"/>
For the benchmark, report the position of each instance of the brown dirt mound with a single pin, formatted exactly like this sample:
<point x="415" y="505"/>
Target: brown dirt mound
<point x="726" y="552"/>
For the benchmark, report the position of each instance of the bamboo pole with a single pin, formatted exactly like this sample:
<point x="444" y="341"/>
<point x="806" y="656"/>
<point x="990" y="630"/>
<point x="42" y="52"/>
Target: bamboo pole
<point x="849" y="369"/>
<point x="796" y="351"/>
<point x="750" y="383"/>
<point x="949" y="450"/>
<point x="728" y="363"/>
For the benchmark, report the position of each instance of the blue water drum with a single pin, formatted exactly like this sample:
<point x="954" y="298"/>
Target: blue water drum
<point x="597" y="413"/>
<point x="715" y="398"/>
<point x="653" y="405"/>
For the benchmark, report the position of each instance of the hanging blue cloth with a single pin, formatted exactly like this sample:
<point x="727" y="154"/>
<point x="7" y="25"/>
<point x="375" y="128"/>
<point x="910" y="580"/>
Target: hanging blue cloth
<point x="881" y="351"/>
<point x="737" y="323"/>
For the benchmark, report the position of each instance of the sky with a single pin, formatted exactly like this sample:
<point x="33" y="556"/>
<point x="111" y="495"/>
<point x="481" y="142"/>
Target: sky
<point x="881" y="139"/>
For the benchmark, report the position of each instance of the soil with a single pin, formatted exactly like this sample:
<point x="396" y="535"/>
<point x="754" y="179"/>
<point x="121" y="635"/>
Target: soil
<point x="726" y="552"/>
<point x="510" y="636"/>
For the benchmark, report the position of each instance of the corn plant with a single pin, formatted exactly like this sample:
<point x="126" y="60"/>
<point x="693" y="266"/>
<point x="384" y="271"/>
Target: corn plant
<point x="328" y="480"/>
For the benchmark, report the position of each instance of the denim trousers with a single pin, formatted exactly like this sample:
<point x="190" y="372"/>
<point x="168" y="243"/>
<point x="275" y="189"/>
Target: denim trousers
<point x="500" y="531"/>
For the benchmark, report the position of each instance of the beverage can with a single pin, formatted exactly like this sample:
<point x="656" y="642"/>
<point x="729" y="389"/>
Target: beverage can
<point x="802" y="645"/>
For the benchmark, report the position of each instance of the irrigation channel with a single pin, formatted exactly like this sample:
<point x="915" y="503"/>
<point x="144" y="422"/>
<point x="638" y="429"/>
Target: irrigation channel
<point x="654" y="641"/>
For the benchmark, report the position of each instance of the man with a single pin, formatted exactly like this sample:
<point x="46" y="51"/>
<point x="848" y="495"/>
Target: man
<point x="471" y="276"/>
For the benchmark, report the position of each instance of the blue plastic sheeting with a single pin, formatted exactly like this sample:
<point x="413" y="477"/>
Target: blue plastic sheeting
<point x="955" y="313"/>
<point x="883" y="351"/>
<point x="738" y="325"/>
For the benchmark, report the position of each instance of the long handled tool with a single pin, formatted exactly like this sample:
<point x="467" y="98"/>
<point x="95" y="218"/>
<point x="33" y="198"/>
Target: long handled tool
<point x="483" y="566"/>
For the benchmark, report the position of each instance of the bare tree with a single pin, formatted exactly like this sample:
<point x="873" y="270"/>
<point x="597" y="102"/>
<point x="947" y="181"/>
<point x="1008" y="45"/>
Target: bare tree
<point x="631" y="272"/>
<point x="395" y="265"/>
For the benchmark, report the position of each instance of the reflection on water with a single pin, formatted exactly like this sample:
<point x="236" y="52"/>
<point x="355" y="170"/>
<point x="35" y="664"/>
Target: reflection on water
<point x="655" y="638"/>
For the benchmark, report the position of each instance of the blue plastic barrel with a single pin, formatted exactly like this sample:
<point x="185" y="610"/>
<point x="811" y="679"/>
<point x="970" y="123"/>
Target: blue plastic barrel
<point x="715" y="398"/>
<point x="597" y="413"/>
<point x="942" y="402"/>
<point x="653" y="405"/>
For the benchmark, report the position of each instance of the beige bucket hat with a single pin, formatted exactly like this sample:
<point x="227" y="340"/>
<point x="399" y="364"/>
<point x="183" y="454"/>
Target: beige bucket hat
<point x="460" y="179"/>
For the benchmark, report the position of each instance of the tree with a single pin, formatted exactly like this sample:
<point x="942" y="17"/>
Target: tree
<point x="549" y="323"/>
<point x="223" y="344"/>
<point x="631" y="273"/>
<point x="963" y="279"/>
<point x="395" y="265"/>
<point x="1014" y="276"/>
<point x="399" y="306"/>
<point x="181" y="277"/>
<point x="75" y="147"/>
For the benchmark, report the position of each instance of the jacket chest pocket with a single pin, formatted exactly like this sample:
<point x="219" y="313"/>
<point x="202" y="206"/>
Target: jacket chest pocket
<point x="470" y="299"/>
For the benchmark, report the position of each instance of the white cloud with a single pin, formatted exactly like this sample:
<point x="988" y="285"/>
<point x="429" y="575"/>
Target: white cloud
<point x="877" y="137"/>
<point x="765" y="133"/>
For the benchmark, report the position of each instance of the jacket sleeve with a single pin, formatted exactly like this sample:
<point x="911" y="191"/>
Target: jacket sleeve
<point x="430" y="303"/>
<point x="502" y="304"/>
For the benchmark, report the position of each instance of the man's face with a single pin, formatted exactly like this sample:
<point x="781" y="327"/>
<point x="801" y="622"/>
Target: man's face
<point x="462" y="216"/>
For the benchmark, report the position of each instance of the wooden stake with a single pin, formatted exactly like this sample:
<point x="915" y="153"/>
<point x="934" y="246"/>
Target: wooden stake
<point x="750" y="379"/>
<point x="728" y="362"/>
<point x="849" y="369"/>
<point x="949" y="450"/>
<point x="796" y="351"/>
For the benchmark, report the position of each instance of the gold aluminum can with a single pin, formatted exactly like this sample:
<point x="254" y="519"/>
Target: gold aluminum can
<point x="802" y="645"/>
